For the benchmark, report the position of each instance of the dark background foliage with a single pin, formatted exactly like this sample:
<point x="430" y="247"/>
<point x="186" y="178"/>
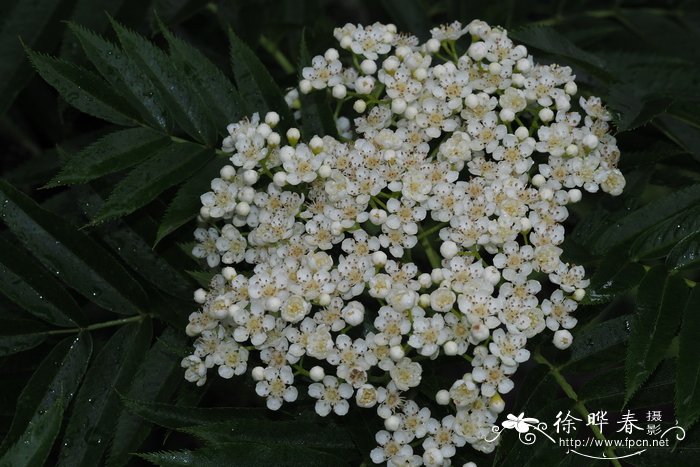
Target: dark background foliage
<point x="96" y="279"/>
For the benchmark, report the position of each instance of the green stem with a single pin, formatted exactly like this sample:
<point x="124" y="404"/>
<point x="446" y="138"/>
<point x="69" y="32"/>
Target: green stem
<point x="300" y="370"/>
<point x="433" y="257"/>
<point x="106" y="324"/>
<point x="271" y="47"/>
<point x="432" y="230"/>
<point x="579" y="406"/>
<point x="379" y="202"/>
<point x="338" y="107"/>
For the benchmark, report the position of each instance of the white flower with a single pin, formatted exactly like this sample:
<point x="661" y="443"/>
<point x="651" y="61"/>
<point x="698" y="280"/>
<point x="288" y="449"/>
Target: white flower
<point x="323" y="73"/>
<point x="222" y="199"/>
<point x="452" y="31"/>
<point x="428" y="334"/>
<point x="406" y="374"/>
<point x="486" y="133"/>
<point x="366" y="396"/>
<point x="369" y="41"/>
<point x="393" y="448"/>
<point x="277" y="387"/>
<point x="493" y="376"/>
<point x="442" y="299"/>
<point x="422" y="229"/>
<point x="294" y="309"/>
<point x="331" y="395"/>
<point x="509" y="347"/>
<point x="414" y="420"/>
<point x="557" y="309"/>
<point x="435" y="117"/>
<point x="464" y="391"/>
<point x="232" y="359"/>
<point x="195" y="370"/>
<point x="206" y="247"/>
<point x="302" y="165"/>
<point x="562" y="339"/>
<point x="443" y="437"/>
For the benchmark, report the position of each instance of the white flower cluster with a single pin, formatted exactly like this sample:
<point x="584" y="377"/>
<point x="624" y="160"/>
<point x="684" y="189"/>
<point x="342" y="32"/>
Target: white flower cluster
<point x="431" y="227"/>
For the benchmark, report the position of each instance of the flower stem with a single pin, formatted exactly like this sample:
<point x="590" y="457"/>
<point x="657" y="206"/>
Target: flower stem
<point x="432" y="230"/>
<point x="433" y="257"/>
<point x="277" y="55"/>
<point x="105" y="324"/>
<point x="579" y="405"/>
<point x="300" y="370"/>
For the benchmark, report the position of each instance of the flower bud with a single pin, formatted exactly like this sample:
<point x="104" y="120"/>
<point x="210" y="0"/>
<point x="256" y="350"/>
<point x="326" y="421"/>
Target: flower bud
<point x="359" y="106"/>
<point x="368" y="67"/>
<point x="396" y="353"/>
<point x="339" y="91"/>
<point x="258" y="373"/>
<point x="450" y="348"/>
<point x="272" y="119"/>
<point x="200" y="296"/>
<point x="562" y="339"/>
<point x="442" y="397"/>
<point x="317" y="373"/>
<point x="392" y="423"/>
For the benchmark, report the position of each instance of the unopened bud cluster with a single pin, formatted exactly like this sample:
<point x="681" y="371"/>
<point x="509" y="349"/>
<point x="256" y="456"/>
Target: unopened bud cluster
<point x="431" y="227"/>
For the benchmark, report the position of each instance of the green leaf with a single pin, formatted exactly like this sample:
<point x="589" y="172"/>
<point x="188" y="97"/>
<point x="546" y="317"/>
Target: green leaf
<point x="31" y="22"/>
<point x="649" y="155"/>
<point x="114" y="152"/>
<point x="686" y="254"/>
<point x="54" y="381"/>
<point x="138" y="254"/>
<point x="682" y="133"/>
<point x="182" y="100"/>
<point x="128" y="240"/>
<point x="246" y="454"/>
<point x="648" y="215"/>
<point x="660" y="238"/>
<point x="614" y="275"/>
<point x="632" y="106"/>
<point x="310" y="433"/>
<point x="71" y="254"/>
<point x="154" y="380"/>
<point x="256" y="87"/>
<point x="203" y="278"/>
<point x="606" y="390"/>
<point x="316" y="116"/>
<point x="91" y="14"/>
<point x="221" y="99"/>
<point x="186" y="203"/>
<point x="146" y="181"/>
<point x="600" y="337"/>
<point x="34" y="446"/>
<point x="125" y="76"/>
<point x="659" y="305"/>
<point x="97" y="406"/>
<point x="31" y="286"/>
<point x="84" y="90"/>
<point x="176" y="417"/>
<point x="688" y="372"/>
<point x="19" y="335"/>
<point x="550" y="41"/>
